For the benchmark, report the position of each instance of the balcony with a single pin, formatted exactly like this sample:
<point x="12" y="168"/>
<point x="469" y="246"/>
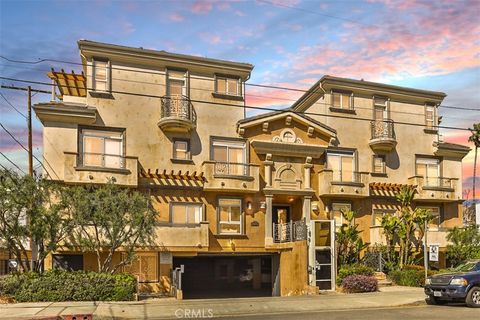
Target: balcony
<point x="183" y="237"/>
<point x="289" y="232"/>
<point x="99" y="168"/>
<point x="382" y="136"/>
<point x="177" y="114"/>
<point x="229" y="176"/>
<point x="436" y="188"/>
<point x="340" y="184"/>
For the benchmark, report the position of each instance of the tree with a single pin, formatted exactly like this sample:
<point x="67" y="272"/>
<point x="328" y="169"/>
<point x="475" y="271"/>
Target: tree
<point x="349" y="240"/>
<point x="465" y="244"/>
<point x="475" y="139"/>
<point x="32" y="208"/>
<point x="111" y="221"/>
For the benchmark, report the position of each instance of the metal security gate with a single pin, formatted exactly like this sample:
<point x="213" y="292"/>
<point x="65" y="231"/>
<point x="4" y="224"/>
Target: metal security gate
<point x="322" y="269"/>
<point x="177" y="280"/>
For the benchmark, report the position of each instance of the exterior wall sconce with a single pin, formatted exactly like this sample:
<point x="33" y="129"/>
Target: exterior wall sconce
<point x="263" y="204"/>
<point x="249" y="205"/>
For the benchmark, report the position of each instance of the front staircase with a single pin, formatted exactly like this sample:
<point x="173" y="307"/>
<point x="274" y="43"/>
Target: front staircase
<point x="382" y="280"/>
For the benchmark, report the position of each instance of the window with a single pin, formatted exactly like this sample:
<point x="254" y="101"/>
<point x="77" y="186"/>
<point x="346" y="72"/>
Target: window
<point x="378" y="214"/>
<point x="434" y="224"/>
<point x="186" y="213"/>
<point x="430" y="116"/>
<point x="228" y="86"/>
<point x="101" y="75"/>
<point x="68" y="262"/>
<point x="181" y="150"/>
<point x="336" y="213"/>
<point x="381" y="108"/>
<point x="144" y="266"/>
<point x="342" y="100"/>
<point x="230" y="216"/>
<point x="429" y="169"/>
<point x="230" y="157"/>
<point x="343" y="166"/>
<point x="176" y="84"/>
<point x="102" y="148"/>
<point x="379" y="164"/>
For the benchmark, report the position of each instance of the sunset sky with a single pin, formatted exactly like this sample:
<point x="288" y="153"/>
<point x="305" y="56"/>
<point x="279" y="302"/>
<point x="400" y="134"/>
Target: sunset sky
<point x="433" y="45"/>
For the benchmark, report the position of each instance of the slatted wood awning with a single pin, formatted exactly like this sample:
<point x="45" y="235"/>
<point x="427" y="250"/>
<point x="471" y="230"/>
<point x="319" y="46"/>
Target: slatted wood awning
<point x="172" y="175"/>
<point x="383" y="186"/>
<point x="70" y="84"/>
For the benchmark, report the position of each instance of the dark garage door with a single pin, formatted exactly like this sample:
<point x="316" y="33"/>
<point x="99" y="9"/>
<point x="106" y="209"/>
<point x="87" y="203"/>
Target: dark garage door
<point x="226" y="276"/>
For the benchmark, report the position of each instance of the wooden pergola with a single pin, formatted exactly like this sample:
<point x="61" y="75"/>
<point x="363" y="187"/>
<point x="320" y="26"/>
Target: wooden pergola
<point x="172" y="175"/>
<point x="383" y="186"/>
<point x="70" y="84"/>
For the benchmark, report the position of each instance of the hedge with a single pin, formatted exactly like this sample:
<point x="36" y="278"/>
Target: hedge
<point x="410" y="276"/>
<point x="58" y="285"/>
<point x="359" y="283"/>
<point x="354" y="269"/>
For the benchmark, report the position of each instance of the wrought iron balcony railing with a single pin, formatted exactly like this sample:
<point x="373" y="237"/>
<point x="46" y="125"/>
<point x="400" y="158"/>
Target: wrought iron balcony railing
<point x="439" y="182"/>
<point x="103" y="160"/>
<point x="290" y="231"/>
<point x="382" y="129"/>
<point x="178" y="107"/>
<point x="231" y="168"/>
<point x="346" y="176"/>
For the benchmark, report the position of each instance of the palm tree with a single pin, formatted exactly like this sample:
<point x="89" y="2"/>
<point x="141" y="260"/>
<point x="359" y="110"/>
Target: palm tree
<point x="475" y="139"/>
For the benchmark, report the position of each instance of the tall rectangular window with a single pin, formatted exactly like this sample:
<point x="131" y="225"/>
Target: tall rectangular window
<point x="186" y="213"/>
<point x="430" y="116"/>
<point x="230" y="216"/>
<point x="429" y="169"/>
<point x="176" y="84"/>
<point x="378" y="215"/>
<point x="101" y="75"/>
<point x="230" y="157"/>
<point x="342" y="100"/>
<point x="434" y="224"/>
<point x="336" y="213"/>
<point x="381" y="108"/>
<point x="228" y="86"/>
<point x="343" y="166"/>
<point x="102" y="148"/>
<point x="379" y="164"/>
<point x="181" y="150"/>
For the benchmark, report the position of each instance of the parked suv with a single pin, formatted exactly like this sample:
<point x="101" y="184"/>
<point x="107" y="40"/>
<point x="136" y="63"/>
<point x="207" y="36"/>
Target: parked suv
<point x="463" y="284"/>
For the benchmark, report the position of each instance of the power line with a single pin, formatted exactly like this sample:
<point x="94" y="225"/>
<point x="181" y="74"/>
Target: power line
<point x="24" y="148"/>
<point x="261" y="96"/>
<point x="13" y="163"/>
<point x="191" y="76"/>
<point x="240" y="106"/>
<point x="11" y="105"/>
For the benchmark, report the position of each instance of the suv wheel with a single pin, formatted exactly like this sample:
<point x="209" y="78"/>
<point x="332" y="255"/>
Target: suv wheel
<point x="473" y="297"/>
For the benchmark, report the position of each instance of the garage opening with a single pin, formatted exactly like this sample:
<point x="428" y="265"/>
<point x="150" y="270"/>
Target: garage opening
<point x="225" y="276"/>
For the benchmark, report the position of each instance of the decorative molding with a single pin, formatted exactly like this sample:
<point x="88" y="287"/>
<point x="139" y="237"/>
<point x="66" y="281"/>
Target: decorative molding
<point x="310" y="131"/>
<point x="265" y="127"/>
<point x="288" y="120"/>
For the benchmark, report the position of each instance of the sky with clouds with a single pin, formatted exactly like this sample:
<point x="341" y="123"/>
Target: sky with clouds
<point x="432" y="45"/>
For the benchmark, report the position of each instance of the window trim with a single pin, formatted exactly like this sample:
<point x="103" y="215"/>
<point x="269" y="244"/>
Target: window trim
<point x="440" y="164"/>
<point x="186" y="78"/>
<point x="241" y="222"/>
<point x="108" y="75"/>
<point x="351" y="106"/>
<point x="189" y="153"/>
<point x="344" y="152"/>
<point x="185" y="203"/>
<point x="218" y="76"/>
<point x="434" y="126"/>
<point x="384" y="162"/>
<point x="80" y="145"/>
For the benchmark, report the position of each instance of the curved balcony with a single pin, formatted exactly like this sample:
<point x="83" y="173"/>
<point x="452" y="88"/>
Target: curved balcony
<point x="383" y="136"/>
<point x="177" y="114"/>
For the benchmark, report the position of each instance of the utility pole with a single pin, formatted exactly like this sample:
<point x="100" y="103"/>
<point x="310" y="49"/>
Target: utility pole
<point x="425" y="253"/>
<point x="29" y="90"/>
<point x="29" y="124"/>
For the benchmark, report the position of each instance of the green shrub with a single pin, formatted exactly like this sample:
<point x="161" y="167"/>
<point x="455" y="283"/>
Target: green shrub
<point x="353" y="269"/>
<point x="408" y="277"/>
<point x="58" y="285"/>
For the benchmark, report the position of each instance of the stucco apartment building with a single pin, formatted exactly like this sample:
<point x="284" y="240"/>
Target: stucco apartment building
<point x="248" y="206"/>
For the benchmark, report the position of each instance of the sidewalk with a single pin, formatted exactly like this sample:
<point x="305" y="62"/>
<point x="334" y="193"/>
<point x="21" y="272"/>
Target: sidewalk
<point x="173" y="309"/>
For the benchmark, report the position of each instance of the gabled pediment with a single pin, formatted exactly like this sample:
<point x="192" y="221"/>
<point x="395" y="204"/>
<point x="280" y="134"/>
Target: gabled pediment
<point x="286" y="126"/>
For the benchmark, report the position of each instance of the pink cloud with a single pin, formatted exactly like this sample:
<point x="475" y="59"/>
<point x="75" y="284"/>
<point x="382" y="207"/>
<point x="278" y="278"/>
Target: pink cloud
<point x="210" y="38"/>
<point x="202" y="6"/>
<point x="176" y="17"/>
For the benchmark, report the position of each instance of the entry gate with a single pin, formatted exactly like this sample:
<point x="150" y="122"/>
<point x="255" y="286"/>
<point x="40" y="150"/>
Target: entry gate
<point x="322" y="270"/>
<point x="177" y="280"/>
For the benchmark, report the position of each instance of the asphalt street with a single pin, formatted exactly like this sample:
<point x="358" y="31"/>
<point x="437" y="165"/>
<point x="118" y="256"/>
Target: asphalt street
<point x="421" y="312"/>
